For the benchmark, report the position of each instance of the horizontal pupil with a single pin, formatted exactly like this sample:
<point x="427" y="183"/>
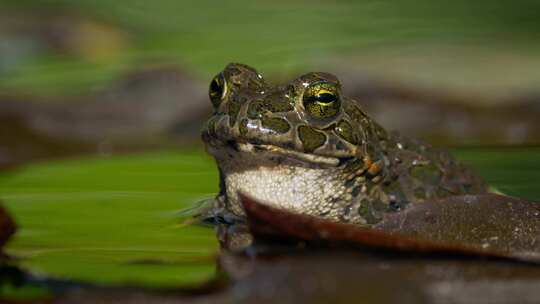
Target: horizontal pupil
<point x="326" y="98"/>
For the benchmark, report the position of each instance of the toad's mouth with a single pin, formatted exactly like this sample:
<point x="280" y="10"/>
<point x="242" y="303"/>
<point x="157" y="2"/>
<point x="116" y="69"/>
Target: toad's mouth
<point x="312" y="158"/>
<point x="273" y="150"/>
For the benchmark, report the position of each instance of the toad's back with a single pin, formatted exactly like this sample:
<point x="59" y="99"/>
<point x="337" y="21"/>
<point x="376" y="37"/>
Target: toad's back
<point x="306" y="148"/>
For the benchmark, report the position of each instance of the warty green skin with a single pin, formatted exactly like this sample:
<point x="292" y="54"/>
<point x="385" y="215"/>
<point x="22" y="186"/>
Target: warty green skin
<point x="345" y="168"/>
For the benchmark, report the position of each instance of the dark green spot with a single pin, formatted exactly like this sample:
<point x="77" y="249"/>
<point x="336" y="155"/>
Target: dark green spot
<point x="276" y="106"/>
<point x="366" y="211"/>
<point x="393" y="187"/>
<point x="278" y="125"/>
<point x="212" y="126"/>
<point x="345" y="131"/>
<point x="363" y="210"/>
<point x="234" y="108"/>
<point x="243" y="126"/>
<point x="258" y="108"/>
<point x="311" y="139"/>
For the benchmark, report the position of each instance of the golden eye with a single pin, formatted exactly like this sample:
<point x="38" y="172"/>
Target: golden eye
<point x="321" y="100"/>
<point x="217" y="89"/>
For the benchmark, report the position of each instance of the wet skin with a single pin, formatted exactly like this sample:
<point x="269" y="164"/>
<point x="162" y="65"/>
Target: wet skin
<point x="306" y="148"/>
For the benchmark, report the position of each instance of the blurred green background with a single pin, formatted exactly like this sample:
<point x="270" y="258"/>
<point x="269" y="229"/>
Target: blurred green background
<point x="73" y="46"/>
<point x="114" y="219"/>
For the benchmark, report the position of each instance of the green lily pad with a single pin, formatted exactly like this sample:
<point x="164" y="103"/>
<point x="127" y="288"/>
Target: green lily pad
<point x="113" y="221"/>
<point x="514" y="171"/>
